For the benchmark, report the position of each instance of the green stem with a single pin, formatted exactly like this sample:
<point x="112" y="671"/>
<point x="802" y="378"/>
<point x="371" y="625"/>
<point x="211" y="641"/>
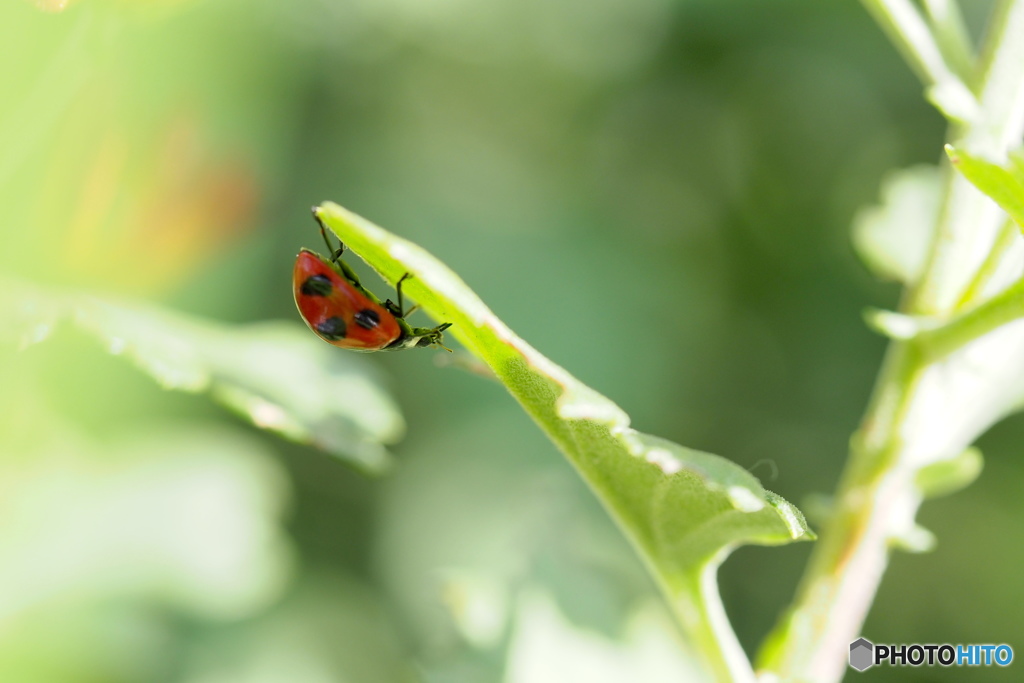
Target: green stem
<point x="877" y="491"/>
<point x="851" y="556"/>
<point x="951" y="35"/>
<point x="1003" y="308"/>
<point x="698" y="608"/>
<point x="1007" y="236"/>
<point x="912" y="35"/>
<point x="691" y="592"/>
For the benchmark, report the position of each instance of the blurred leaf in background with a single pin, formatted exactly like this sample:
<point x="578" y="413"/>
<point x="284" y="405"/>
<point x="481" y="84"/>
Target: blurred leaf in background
<point x="656" y="194"/>
<point x="133" y="520"/>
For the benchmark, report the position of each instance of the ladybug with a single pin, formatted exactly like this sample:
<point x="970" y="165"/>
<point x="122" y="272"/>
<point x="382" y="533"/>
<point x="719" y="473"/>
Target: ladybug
<point x="342" y="312"/>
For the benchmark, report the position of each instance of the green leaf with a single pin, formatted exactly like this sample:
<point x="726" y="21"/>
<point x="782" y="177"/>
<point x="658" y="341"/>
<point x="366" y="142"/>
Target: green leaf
<point x="28" y="314"/>
<point x="913" y="539"/>
<point x="897" y="325"/>
<point x="1003" y="184"/>
<point x="949" y="476"/>
<point x="954" y="99"/>
<point x="893" y="237"/>
<point x="546" y="647"/>
<point x="277" y="375"/>
<point x="684" y="510"/>
<point x="177" y="512"/>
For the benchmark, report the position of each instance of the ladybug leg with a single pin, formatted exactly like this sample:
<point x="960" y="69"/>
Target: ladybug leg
<point x="399" y="310"/>
<point x="335" y="253"/>
<point x="398" y="290"/>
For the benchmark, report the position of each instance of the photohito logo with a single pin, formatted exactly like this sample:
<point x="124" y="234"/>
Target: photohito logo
<point x="864" y="654"/>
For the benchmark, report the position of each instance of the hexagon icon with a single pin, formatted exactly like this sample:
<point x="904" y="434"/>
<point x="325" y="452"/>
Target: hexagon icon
<point x="862" y="653"/>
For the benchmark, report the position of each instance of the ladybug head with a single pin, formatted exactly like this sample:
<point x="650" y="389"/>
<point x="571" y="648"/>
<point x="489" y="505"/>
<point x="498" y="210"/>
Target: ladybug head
<point x="422" y="337"/>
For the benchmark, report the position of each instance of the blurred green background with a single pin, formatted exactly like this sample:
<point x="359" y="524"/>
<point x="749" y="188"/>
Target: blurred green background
<point x="657" y="194"/>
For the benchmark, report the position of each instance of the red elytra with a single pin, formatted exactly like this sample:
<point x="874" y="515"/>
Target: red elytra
<point x="342" y="312"/>
<point x="337" y="311"/>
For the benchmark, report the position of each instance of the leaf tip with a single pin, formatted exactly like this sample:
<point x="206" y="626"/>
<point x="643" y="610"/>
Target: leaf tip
<point x="893" y="325"/>
<point x="955" y="100"/>
<point x="949" y="476"/>
<point x="914" y="539"/>
<point x="952" y="153"/>
<point x="791" y="516"/>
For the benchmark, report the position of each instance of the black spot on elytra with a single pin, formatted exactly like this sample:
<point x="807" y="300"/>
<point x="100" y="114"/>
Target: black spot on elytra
<point x="367" y="318"/>
<point x="317" y="285"/>
<point x="332" y="329"/>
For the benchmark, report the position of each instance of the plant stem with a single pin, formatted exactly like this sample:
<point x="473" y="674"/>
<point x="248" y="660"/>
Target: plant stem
<point x="693" y="597"/>
<point x="691" y="592"/>
<point x="849" y="559"/>
<point x="910" y="33"/>
<point x="698" y="608"/>
<point x="877" y="496"/>
<point x="1003" y="308"/>
<point x="1007" y="236"/>
<point x="951" y="35"/>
